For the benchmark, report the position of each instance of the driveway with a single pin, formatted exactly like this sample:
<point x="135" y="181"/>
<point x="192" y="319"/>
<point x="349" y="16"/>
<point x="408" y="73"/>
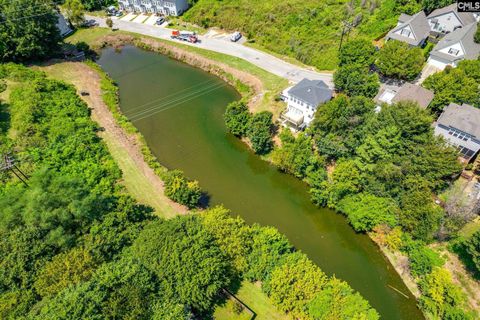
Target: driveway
<point x="261" y="59"/>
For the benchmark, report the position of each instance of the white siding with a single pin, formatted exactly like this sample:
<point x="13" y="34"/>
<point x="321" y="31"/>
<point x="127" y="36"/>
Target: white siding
<point x="455" y="50"/>
<point x="457" y="138"/>
<point x="406" y="32"/>
<point x="307" y="110"/>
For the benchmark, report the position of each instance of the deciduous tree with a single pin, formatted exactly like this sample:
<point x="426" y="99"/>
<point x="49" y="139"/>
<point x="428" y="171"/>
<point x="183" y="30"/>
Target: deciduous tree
<point x="396" y="59"/>
<point x="34" y="37"/>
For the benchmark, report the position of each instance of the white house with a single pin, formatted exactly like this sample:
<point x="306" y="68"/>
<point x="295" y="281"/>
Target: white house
<point x="455" y="47"/>
<point x="448" y="19"/>
<point x="460" y="126"/>
<point x="413" y="30"/>
<point x="164" y="7"/>
<point x="303" y="100"/>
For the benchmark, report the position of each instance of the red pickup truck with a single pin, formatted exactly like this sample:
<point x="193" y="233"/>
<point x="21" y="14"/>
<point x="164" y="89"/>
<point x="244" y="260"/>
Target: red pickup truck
<point x="185" y="36"/>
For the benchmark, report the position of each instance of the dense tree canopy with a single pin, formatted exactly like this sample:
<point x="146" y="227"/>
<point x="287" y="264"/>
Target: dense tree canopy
<point x="236" y="118"/>
<point x="359" y="52"/>
<point x="27" y="30"/>
<point x="355" y="80"/>
<point x="74" y="245"/>
<point x="259" y="132"/>
<point x="472" y="246"/>
<point x="391" y="157"/>
<point x="397" y="60"/>
<point x="458" y="85"/>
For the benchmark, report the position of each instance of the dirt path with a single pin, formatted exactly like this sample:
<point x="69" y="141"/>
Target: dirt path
<point x="139" y="179"/>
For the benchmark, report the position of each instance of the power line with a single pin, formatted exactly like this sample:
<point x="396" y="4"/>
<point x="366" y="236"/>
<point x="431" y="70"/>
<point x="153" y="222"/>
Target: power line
<point x="170" y="95"/>
<point x="9" y="165"/>
<point x="180" y="99"/>
<point x="177" y="104"/>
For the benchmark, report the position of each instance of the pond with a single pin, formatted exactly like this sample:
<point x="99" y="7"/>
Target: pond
<point x="179" y="109"/>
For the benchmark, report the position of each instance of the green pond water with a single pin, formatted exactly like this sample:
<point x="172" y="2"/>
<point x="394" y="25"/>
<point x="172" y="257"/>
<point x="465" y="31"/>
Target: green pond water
<point x="179" y="109"/>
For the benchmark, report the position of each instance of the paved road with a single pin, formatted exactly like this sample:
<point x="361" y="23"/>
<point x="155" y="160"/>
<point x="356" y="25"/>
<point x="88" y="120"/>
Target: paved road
<point x="261" y="59"/>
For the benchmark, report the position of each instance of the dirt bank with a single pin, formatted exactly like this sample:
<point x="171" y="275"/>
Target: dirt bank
<point x="233" y="76"/>
<point x="147" y="184"/>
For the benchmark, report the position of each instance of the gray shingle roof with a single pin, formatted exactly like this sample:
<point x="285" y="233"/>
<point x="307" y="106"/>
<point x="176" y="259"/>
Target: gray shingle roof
<point x="412" y="92"/>
<point x="465" y="118"/>
<point x="313" y="92"/>
<point x="464" y="36"/>
<point x="418" y="24"/>
<point x="464" y="17"/>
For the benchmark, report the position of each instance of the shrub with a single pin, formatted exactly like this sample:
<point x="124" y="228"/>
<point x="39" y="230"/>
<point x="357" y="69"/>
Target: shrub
<point x="423" y="260"/>
<point x="260" y="132"/>
<point x="472" y="247"/>
<point x="365" y="211"/>
<point x="181" y="190"/>
<point x="236" y="118"/>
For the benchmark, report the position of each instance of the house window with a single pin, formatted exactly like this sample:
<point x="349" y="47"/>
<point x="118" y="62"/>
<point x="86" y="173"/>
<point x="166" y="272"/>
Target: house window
<point x="453" y="51"/>
<point x="458" y="134"/>
<point x="405" y="33"/>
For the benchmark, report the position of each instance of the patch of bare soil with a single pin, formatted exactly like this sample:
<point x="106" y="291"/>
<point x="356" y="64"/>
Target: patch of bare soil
<point x="86" y="79"/>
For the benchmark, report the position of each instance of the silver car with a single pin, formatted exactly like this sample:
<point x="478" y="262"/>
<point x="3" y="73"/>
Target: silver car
<point x="235" y="36"/>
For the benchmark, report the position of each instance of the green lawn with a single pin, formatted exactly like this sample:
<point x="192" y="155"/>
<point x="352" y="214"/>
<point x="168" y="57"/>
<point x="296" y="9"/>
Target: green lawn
<point x="88" y="35"/>
<point x="251" y="295"/>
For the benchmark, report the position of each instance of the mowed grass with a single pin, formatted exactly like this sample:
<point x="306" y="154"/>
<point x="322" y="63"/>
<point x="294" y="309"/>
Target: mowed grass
<point x="135" y="181"/>
<point x="251" y="295"/>
<point x="87" y="35"/>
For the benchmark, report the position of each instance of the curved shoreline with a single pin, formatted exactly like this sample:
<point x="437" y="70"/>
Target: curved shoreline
<point x="228" y="74"/>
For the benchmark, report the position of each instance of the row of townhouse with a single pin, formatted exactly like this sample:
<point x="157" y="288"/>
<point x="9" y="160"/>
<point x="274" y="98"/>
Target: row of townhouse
<point x="162" y="7"/>
<point x="455" y="30"/>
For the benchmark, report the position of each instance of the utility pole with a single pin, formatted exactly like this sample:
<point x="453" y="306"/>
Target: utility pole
<point x="347" y="26"/>
<point x="8" y="164"/>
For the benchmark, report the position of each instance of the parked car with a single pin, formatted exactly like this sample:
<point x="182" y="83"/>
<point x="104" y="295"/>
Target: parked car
<point x="235" y="36"/>
<point x="160" y="21"/>
<point x="90" y="23"/>
<point x="119" y="14"/>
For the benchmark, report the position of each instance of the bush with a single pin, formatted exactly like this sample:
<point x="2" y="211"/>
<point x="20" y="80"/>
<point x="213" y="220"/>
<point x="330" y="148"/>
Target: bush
<point x="236" y="118"/>
<point x="398" y="60"/>
<point x="423" y="260"/>
<point x="365" y="211"/>
<point x="472" y="247"/>
<point x="260" y="132"/>
<point x="441" y="299"/>
<point x="181" y="190"/>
